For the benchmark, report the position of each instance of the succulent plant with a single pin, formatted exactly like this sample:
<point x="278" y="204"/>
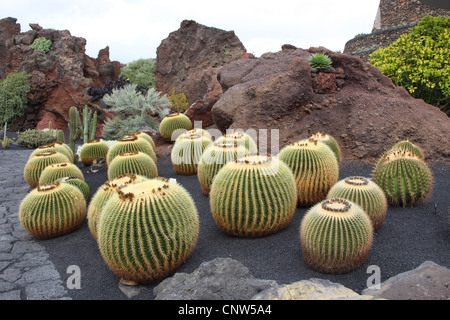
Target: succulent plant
<point x="92" y="150"/>
<point x="407" y="145"/>
<point x="329" y="141"/>
<point x="55" y="171"/>
<point x="130" y="143"/>
<point x="189" y="133"/>
<point x="132" y="162"/>
<point x="405" y="179"/>
<point x="320" y="61"/>
<point x="54" y="146"/>
<point x="187" y="153"/>
<point x="216" y="156"/>
<point x="172" y="122"/>
<point x="52" y="210"/>
<point x="240" y="138"/>
<point x="102" y="195"/>
<point x="253" y="197"/>
<point x="144" y="136"/>
<point x="80" y="184"/>
<point x="162" y="226"/>
<point x="365" y="193"/>
<point x="336" y="236"/>
<point x="37" y="164"/>
<point x="315" y="169"/>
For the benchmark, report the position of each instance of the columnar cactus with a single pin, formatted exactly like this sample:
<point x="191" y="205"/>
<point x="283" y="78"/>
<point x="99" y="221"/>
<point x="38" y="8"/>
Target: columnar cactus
<point x="162" y="226"/>
<point x="405" y="178"/>
<point x="253" y="197"/>
<point x="173" y="122"/>
<point x="329" y="141"/>
<point x="336" y="236"/>
<point x="133" y="162"/>
<point x="56" y="171"/>
<point x="315" y="169"/>
<point x="80" y="184"/>
<point x="143" y="136"/>
<point x="103" y="194"/>
<point x="130" y="143"/>
<point x="365" y="193"/>
<point x="92" y="150"/>
<point x="52" y="210"/>
<point x="187" y="153"/>
<point x="216" y="156"/>
<point x="38" y="163"/>
<point x="54" y="146"/>
<point x="240" y="138"/>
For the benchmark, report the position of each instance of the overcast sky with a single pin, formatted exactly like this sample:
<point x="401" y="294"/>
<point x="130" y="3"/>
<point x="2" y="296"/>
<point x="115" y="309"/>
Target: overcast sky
<point x="133" y="29"/>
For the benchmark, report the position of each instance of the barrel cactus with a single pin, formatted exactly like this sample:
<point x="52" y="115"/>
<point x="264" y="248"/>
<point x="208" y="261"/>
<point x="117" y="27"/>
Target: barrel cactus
<point x="240" y="138"/>
<point x="133" y="162"/>
<point x="54" y="146"/>
<point x="315" y="169"/>
<point x="189" y="133"/>
<point x="162" y="226"/>
<point x="214" y="158"/>
<point x="130" y="143"/>
<point x="329" y="141"/>
<point x="405" y="179"/>
<point x="365" y="193"/>
<point x="80" y="184"/>
<point x="92" y="150"/>
<point x="408" y="146"/>
<point x="187" y="153"/>
<point x="56" y="171"/>
<point x="52" y="210"/>
<point x="37" y="164"/>
<point x="144" y="136"/>
<point x="336" y="236"/>
<point x="102" y="195"/>
<point x="173" y="122"/>
<point x="253" y="197"/>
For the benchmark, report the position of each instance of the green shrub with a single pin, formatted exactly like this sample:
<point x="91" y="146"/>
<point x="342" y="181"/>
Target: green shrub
<point x="14" y="91"/>
<point x="33" y="138"/>
<point x="141" y="72"/>
<point x="179" y="102"/>
<point x="319" y="61"/>
<point x="42" y="45"/>
<point x="420" y="61"/>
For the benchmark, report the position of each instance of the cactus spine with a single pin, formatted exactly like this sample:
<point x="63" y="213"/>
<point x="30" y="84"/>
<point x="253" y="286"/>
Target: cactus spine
<point x="336" y="236"/>
<point x="52" y="210"/>
<point x="56" y="171"/>
<point x="315" y="169"/>
<point x="187" y="153"/>
<point x="172" y="122"/>
<point x="132" y="162"/>
<point x="253" y="197"/>
<point x="365" y="193"/>
<point x="78" y="183"/>
<point x="162" y="226"/>
<point x="130" y="143"/>
<point x="330" y="142"/>
<point x="93" y="150"/>
<point x="34" y="166"/>
<point x="240" y="138"/>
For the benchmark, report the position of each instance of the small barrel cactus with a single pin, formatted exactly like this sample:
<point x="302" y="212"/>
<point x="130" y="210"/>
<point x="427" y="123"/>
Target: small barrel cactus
<point x="93" y="150"/>
<point x="54" y="146"/>
<point x="162" y="226"/>
<point x="189" y="133"/>
<point x="315" y="169"/>
<point x="173" y="122"/>
<point x="365" y="193"/>
<point x="132" y="162"/>
<point x="405" y="179"/>
<point x="38" y="163"/>
<point x="52" y="210"/>
<point x="329" y="141"/>
<point x="80" y="184"/>
<point x="215" y="157"/>
<point x="144" y="136"/>
<point x="130" y="143"/>
<point x="56" y="171"/>
<point x="102" y="195"/>
<point x="253" y="197"/>
<point x="336" y="236"/>
<point x="187" y="153"/>
<point x="240" y="138"/>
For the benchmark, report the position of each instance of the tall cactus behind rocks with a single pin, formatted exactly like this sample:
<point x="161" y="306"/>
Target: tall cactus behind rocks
<point x="75" y="130"/>
<point x="89" y="124"/>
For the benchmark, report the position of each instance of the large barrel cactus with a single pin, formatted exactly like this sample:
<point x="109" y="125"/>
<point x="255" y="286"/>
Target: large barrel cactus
<point x="187" y="153"/>
<point x="315" y="169"/>
<point x="253" y="197"/>
<point x="336" y="236"/>
<point x="56" y="171"/>
<point x="80" y="184"/>
<point x="172" y="123"/>
<point x="189" y="133"/>
<point x="52" y="210"/>
<point x="365" y="193"/>
<point x="130" y="143"/>
<point x="329" y="141"/>
<point x="54" y="146"/>
<point x="144" y="136"/>
<point x="37" y="164"/>
<point x="133" y="162"/>
<point x="405" y="178"/>
<point x="408" y="146"/>
<point x="241" y="138"/>
<point x="102" y="195"/>
<point x="162" y="226"/>
<point x="92" y="150"/>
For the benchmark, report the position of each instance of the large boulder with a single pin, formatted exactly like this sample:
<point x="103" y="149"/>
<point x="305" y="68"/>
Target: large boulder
<point x="352" y="101"/>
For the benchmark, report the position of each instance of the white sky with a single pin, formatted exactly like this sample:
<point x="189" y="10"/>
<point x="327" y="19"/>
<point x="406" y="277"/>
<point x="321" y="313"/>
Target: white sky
<point x="133" y="29"/>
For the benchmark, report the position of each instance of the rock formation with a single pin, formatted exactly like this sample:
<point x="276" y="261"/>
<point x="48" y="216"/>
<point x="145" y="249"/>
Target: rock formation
<point x="352" y="101"/>
<point x="59" y="79"/>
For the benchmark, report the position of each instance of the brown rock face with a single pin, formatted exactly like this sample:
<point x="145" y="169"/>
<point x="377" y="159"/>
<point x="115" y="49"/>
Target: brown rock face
<point x="188" y="61"/>
<point x="352" y="101"/>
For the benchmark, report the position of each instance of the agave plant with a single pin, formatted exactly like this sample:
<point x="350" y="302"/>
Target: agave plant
<point x="320" y="61"/>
